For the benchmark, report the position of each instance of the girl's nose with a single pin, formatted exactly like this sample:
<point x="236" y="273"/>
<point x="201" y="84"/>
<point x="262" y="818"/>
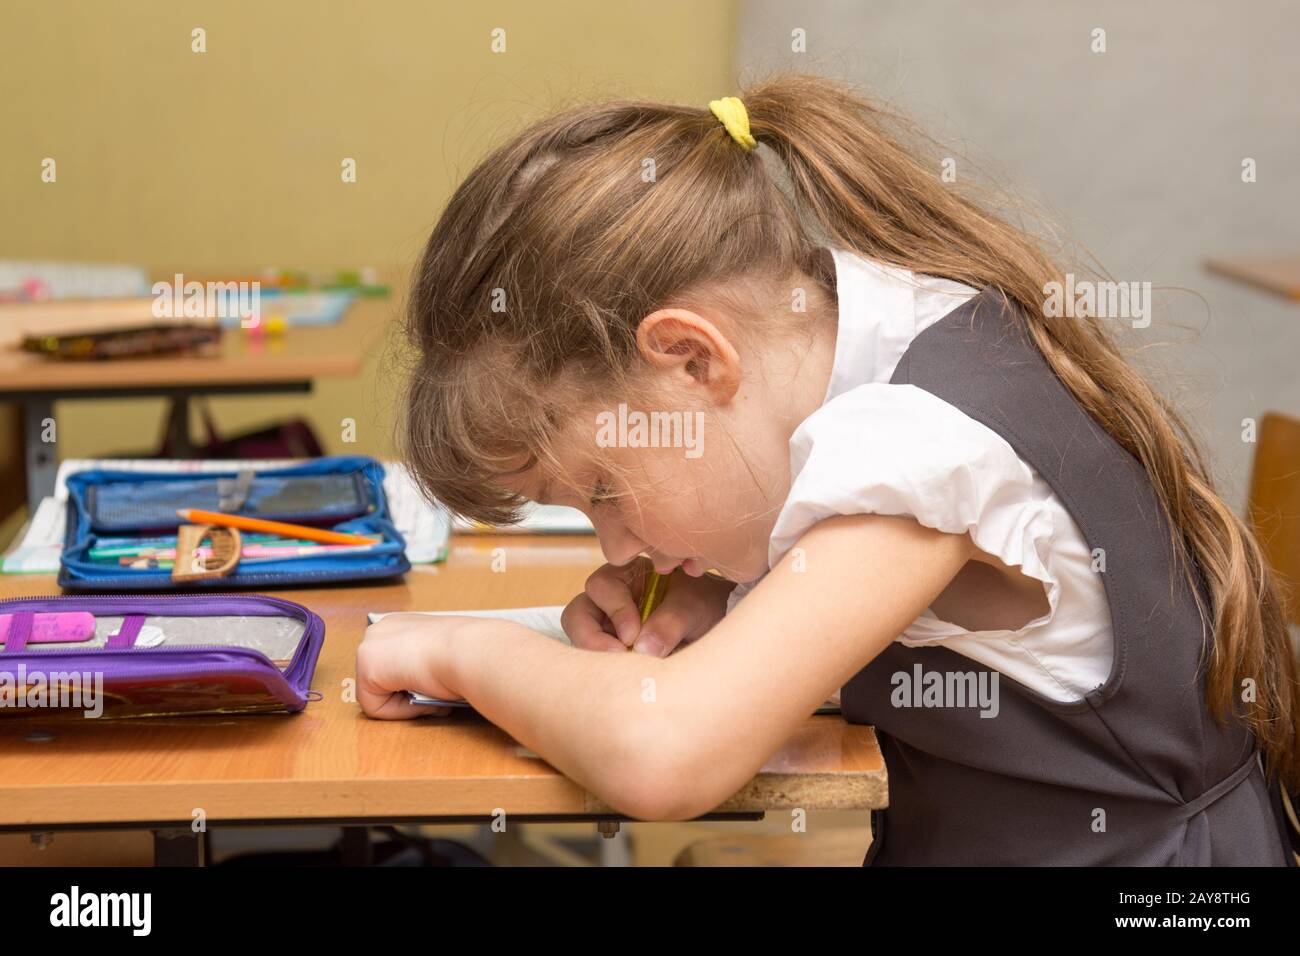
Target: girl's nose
<point x="618" y="544"/>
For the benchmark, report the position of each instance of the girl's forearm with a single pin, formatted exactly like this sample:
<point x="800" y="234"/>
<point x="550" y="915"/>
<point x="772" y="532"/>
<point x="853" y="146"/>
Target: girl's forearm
<point x="670" y="738"/>
<point x="589" y="713"/>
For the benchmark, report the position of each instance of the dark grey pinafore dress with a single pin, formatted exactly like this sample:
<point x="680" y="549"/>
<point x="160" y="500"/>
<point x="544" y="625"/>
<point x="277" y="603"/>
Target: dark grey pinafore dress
<point x="1137" y="772"/>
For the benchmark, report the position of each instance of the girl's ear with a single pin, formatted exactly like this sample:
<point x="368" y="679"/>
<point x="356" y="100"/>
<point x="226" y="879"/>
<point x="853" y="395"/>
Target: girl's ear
<point x="679" y="341"/>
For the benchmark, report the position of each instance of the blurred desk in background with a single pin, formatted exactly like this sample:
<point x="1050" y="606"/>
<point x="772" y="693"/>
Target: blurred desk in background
<point x="246" y="364"/>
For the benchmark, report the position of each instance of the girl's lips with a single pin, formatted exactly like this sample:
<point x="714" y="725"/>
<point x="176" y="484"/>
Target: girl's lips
<point x="692" y="566"/>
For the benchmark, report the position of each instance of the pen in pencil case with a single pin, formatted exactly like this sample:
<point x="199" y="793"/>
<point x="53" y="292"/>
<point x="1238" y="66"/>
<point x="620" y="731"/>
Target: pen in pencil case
<point x="167" y="548"/>
<point x="255" y="551"/>
<point x="248" y="556"/>
<point x="245" y="523"/>
<point x="123" y="545"/>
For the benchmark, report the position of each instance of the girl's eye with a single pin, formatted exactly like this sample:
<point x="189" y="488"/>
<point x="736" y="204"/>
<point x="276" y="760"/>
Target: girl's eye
<point x="600" y="494"/>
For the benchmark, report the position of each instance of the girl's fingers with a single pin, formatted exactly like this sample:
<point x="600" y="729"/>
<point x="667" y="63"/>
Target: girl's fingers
<point x="612" y="594"/>
<point x="393" y="705"/>
<point x="670" y="624"/>
<point x="381" y="693"/>
<point x="586" y="625"/>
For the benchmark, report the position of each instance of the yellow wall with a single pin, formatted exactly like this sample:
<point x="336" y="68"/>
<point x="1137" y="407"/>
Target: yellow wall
<point x="230" y="159"/>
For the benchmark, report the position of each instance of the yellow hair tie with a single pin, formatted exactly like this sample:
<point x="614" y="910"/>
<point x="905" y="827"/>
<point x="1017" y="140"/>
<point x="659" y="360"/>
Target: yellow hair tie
<point x="731" y="113"/>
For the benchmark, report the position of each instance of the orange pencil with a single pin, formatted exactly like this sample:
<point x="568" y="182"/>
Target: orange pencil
<point x="198" y="516"/>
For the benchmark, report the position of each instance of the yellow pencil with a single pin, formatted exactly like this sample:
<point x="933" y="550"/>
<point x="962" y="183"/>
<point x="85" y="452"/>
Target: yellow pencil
<point x="656" y="588"/>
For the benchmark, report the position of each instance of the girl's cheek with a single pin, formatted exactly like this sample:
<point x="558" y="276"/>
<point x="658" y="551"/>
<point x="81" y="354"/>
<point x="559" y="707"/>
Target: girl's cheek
<point x="682" y="533"/>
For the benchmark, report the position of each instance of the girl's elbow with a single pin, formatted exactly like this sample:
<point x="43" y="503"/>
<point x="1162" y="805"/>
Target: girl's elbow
<point x="659" y="777"/>
<point x="652" y="794"/>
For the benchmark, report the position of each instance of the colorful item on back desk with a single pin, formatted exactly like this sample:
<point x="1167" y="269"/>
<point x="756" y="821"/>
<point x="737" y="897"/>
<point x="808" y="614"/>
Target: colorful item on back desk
<point x="364" y="282"/>
<point x="140" y="342"/>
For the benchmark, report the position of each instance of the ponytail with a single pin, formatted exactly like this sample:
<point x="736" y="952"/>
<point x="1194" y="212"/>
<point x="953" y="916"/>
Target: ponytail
<point x="867" y="191"/>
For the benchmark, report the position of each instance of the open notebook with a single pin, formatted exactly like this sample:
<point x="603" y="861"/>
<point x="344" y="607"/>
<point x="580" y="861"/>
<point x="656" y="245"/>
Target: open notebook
<point x="544" y="620"/>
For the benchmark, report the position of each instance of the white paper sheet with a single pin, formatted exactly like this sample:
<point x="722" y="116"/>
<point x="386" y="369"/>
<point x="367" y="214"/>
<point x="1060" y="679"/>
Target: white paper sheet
<point x="544" y="620"/>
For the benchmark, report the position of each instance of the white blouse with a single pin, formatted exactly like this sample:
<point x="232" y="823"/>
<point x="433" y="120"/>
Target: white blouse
<point x="877" y="448"/>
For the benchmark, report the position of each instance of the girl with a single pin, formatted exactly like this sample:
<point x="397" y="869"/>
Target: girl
<point x="918" y="485"/>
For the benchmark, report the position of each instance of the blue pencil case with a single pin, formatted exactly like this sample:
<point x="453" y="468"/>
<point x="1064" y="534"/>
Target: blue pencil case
<point x="107" y="508"/>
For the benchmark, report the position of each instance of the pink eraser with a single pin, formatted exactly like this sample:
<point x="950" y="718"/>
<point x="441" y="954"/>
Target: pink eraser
<point x="65" y="627"/>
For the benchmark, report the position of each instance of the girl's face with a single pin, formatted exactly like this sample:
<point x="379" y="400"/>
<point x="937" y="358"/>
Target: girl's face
<point x="693" y="502"/>
<point x="695" y="477"/>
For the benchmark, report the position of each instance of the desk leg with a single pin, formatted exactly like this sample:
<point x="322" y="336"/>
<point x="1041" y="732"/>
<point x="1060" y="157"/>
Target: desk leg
<point x="176" y="432"/>
<point x="179" y="848"/>
<point x="42" y="457"/>
<point x="615" y="845"/>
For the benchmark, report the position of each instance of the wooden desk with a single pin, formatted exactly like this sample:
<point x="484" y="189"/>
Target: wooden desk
<point x="246" y="364"/>
<point x="332" y="765"/>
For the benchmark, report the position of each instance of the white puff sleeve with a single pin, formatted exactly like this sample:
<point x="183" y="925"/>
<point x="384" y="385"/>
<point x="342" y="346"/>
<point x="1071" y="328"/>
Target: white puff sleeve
<point x="899" y="450"/>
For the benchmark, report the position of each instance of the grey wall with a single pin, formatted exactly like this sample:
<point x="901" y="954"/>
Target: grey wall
<point x="1136" y="152"/>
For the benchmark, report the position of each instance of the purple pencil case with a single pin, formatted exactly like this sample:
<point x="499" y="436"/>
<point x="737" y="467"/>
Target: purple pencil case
<point x="158" y="655"/>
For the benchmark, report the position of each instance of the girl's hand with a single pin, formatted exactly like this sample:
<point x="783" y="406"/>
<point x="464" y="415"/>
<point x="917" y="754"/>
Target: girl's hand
<point x="606" y="616"/>
<point x="404" y="652"/>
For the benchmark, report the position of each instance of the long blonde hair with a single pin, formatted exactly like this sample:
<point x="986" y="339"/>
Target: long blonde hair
<point x="550" y="252"/>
